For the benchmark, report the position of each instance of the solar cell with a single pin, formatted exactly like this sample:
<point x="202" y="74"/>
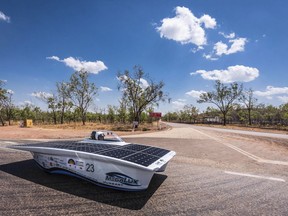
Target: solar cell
<point x="141" y="158"/>
<point x="139" y="154"/>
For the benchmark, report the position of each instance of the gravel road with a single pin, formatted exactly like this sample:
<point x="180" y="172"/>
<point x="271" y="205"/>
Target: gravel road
<point x="215" y="172"/>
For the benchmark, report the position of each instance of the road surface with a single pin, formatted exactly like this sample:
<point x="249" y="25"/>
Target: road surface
<point x="215" y="172"/>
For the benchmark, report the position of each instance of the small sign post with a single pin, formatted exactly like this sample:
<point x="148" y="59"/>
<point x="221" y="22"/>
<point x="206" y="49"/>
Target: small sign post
<point x="158" y="116"/>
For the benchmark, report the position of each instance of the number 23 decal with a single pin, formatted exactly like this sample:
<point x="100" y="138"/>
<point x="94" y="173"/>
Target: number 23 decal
<point x="89" y="167"/>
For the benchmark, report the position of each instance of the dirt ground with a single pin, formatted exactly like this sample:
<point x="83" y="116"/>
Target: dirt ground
<point x="16" y="132"/>
<point x="58" y="132"/>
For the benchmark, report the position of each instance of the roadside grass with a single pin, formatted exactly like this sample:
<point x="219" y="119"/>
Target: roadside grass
<point x="100" y="126"/>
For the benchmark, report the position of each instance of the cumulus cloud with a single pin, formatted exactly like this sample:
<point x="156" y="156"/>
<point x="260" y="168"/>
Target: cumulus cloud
<point x="178" y="104"/>
<point x="237" y="73"/>
<point x="195" y="94"/>
<point x="233" y="45"/>
<point x="143" y="83"/>
<point x="210" y="57"/>
<point x="229" y="36"/>
<point x="76" y="64"/>
<point x="283" y="99"/>
<point x="26" y="103"/>
<point x="237" y="45"/>
<point x="9" y="91"/>
<point x="185" y="27"/>
<point x="208" y="21"/>
<point x="42" y="95"/>
<point x="4" y="17"/>
<point x="105" y="89"/>
<point x="271" y="90"/>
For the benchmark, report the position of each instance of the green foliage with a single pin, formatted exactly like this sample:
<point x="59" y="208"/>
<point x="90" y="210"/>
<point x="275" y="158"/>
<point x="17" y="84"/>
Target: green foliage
<point x="81" y="92"/>
<point x="138" y="93"/>
<point x="223" y="97"/>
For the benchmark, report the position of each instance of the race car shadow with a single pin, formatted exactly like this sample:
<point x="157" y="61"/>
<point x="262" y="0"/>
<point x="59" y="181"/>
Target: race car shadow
<point x="28" y="170"/>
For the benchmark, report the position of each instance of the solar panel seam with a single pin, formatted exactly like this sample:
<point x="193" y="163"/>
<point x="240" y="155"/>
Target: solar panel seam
<point x="139" y="154"/>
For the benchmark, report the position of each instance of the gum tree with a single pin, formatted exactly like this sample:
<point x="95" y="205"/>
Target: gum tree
<point x="249" y="101"/>
<point x="81" y="92"/>
<point x="139" y="92"/>
<point x="223" y="97"/>
<point x="3" y="98"/>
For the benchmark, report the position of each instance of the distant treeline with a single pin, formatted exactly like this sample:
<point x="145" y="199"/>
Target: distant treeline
<point x="140" y="95"/>
<point x="261" y="115"/>
<point x="72" y="100"/>
<point x="110" y="115"/>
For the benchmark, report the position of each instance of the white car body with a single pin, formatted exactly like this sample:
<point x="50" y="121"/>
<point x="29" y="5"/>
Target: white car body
<point x="106" y="162"/>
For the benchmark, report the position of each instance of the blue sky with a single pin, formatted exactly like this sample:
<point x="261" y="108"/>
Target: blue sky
<point x="186" y="44"/>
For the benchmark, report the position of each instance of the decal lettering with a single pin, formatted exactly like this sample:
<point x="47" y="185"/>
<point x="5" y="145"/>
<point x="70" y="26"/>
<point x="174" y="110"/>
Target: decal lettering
<point x="121" y="178"/>
<point x="90" y="167"/>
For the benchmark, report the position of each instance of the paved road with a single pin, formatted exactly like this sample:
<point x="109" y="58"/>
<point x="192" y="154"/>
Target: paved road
<point x="214" y="173"/>
<point x="245" y="132"/>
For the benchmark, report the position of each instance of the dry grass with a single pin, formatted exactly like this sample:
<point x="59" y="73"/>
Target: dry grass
<point x="70" y="131"/>
<point x="99" y="126"/>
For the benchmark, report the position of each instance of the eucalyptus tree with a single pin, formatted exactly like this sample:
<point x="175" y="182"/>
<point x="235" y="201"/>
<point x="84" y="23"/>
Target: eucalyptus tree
<point x="284" y="113"/>
<point x="139" y="92"/>
<point x="249" y="101"/>
<point x="223" y="96"/>
<point x="122" y="112"/>
<point x="81" y="92"/>
<point x="9" y="106"/>
<point x="3" y="98"/>
<point x="64" y="102"/>
<point x="52" y="102"/>
<point x="192" y="112"/>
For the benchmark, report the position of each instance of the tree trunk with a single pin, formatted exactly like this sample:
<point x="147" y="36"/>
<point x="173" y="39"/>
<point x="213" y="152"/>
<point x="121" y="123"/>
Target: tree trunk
<point x="224" y="119"/>
<point x="137" y="119"/>
<point x="249" y="116"/>
<point x="83" y="118"/>
<point x="62" y="116"/>
<point x="54" y="118"/>
<point x="2" y="121"/>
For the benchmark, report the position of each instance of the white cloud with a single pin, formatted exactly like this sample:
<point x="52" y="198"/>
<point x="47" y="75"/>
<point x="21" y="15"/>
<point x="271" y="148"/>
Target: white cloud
<point x="194" y="50"/>
<point x="237" y="45"/>
<point x="185" y="27"/>
<point x="271" y="90"/>
<point x="283" y="99"/>
<point x="178" y="105"/>
<point x="25" y="103"/>
<point x="181" y="100"/>
<point x="230" y="36"/>
<point x="105" y="89"/>
<point x="143" y="83"/>
<point x="4" y="17"/>
<point x="195" y="94"/>
<point x="9" y="91"/>
<point x="42" y="95"/>
<point x="210" y="57"/>
<point x="54" y="58"/>
<point x="76" y="64"/>
<point x="208" y="21"/>
<point x="237" y="73"/>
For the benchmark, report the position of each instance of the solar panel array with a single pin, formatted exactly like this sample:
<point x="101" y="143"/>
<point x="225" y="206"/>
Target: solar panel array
<point x="139" y="154"/>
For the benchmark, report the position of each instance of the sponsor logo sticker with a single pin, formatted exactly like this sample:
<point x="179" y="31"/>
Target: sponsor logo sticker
<point x="121" y="178"/>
